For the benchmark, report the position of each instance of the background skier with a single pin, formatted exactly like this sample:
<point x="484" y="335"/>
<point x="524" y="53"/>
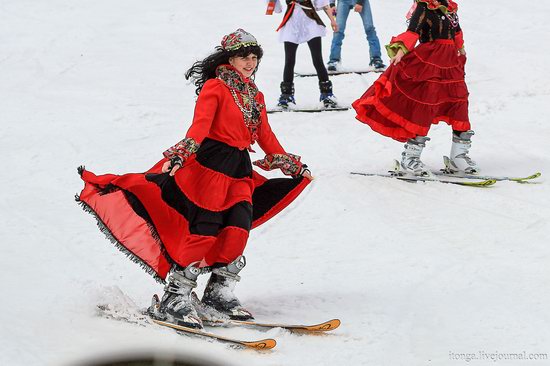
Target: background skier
<point x="422" y="86"/>
<point x="362" y="7"/>
<point x="302" y="24"/>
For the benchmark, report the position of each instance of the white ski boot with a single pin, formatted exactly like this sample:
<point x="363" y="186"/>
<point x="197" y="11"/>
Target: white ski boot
<point x="410" y="158"/>
<point x="459" y="161"/>
<point x="219" y="295"/>
<point x="176" y="306"/>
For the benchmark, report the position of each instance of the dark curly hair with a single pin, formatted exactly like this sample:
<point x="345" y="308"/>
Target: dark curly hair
<point x="205" y="69"/>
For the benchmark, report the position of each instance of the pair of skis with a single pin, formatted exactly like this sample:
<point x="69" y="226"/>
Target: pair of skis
<point x="444" y="176"/>
<point x="141" y="317"/>
<point x="307" y="110"/>
<point x="262" y="344"/>
<point x="339" y="72"/>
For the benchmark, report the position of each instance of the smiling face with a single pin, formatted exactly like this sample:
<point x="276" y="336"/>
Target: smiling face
<point x="245" y="65"/>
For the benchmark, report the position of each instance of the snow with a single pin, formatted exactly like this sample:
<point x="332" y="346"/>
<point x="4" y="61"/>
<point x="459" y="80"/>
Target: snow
<point x="416" y="272"/>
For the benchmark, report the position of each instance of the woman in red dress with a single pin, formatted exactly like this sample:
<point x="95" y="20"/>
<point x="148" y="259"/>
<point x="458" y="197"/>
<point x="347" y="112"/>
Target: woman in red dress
<point x="423" y="86"/>
<point x="192" y="212"/>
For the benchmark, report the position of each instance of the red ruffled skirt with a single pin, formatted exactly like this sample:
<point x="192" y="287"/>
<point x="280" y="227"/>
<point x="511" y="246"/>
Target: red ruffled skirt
<point x="147" y="215"/>
<point x="426" y="87"/>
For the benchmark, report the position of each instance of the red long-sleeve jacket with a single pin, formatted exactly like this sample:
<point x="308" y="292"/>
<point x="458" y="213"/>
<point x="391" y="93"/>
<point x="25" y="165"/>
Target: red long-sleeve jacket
<point x="218" y="117"/>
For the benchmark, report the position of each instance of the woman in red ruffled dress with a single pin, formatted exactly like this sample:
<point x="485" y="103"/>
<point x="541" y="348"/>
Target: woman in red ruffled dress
<point x="192" y="212"/>
<point x="423" y="86"/>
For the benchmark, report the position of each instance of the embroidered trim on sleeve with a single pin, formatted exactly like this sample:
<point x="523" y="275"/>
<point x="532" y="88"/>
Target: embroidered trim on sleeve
<point x="182" y="149"/>
<point x="288" y="163"/>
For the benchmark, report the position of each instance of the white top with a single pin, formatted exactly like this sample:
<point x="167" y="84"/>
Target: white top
<point x="300" y="28"/>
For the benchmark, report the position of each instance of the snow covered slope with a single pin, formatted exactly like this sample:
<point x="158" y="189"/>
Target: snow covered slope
<point x="417" y="272"/>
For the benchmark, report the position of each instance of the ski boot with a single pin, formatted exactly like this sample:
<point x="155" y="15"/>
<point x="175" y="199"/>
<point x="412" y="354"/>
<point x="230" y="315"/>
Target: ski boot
<point x="410" y="158"/>
<point x="328" y="99"/>
<point x="219" y="295"/>
<point x="287" y="95"/>
<point x="459" y="161"/>
<point x="332" y="65"/>
<point x="176" y="306"/>
<point x="377" y="63"/>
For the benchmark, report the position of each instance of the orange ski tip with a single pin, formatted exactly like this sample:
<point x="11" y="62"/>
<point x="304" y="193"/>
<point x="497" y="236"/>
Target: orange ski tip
<point x="333" y="324"/>
<point x="262" y="344"/>
<point x="325" y="327"/>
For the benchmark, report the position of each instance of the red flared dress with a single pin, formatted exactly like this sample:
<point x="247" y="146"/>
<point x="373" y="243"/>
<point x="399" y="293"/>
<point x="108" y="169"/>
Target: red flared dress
<point x="428" y="85"/>
<point x="203" y="213"/>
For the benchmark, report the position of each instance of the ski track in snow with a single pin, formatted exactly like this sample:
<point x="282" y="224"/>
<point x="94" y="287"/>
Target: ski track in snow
<point x="414" y="271"/>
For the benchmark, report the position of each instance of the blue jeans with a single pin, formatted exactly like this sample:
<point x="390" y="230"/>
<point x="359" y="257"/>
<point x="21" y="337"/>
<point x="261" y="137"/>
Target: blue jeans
<point x="343" y="9"/>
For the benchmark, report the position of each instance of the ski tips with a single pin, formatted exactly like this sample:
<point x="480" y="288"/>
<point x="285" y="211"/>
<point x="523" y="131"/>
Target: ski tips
<point x="317" y="328"/>
<point x="524" y="180"/>
<point x="264" y="344"/>
<point x="331" y="325"/>
<point x="322" y="327"/>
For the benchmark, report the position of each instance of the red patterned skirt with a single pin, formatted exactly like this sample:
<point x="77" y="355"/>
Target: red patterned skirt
<point x="426" y="87"/>
<point x="156" y="219"/>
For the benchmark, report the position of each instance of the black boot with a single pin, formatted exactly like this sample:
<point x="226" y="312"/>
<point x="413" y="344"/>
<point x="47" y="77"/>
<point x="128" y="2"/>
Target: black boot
<point x="328" y="99"/>
<point x="287" y="94"/>
<point x="176" y="306"/>
<point x="219" y="295"/>
<point x="377" y="64"/>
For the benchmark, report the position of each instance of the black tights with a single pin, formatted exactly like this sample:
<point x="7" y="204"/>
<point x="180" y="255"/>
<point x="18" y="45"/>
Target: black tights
<point x="316" y="56"/>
